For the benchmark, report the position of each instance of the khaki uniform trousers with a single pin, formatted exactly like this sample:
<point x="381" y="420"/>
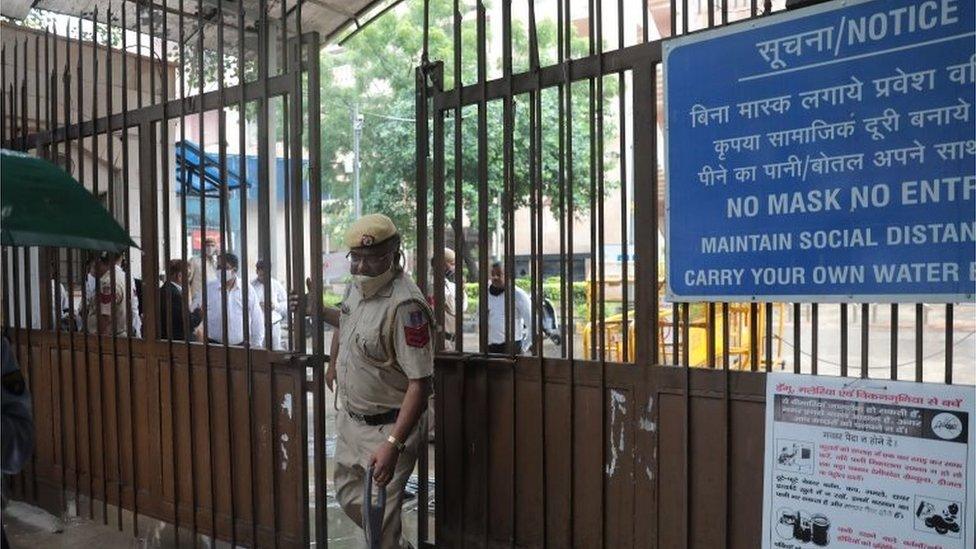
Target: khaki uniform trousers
<point x="355" y="445"/>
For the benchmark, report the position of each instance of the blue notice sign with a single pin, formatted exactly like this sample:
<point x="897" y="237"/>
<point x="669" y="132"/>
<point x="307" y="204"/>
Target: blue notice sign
<point x="824" y="154"/>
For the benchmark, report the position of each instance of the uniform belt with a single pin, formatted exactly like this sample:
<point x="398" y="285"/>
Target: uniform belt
<point x="383" y="418"/>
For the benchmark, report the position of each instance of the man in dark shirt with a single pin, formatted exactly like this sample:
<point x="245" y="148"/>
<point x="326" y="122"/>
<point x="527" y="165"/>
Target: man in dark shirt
<point x="171" y="304"/>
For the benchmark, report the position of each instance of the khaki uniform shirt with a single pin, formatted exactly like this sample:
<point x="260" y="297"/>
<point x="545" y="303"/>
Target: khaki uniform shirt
<point x="385" y="340"/>
<point x="107" y="301"/>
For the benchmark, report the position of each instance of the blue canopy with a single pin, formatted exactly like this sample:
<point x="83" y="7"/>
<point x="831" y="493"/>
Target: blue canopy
<point x="188" y="170"/>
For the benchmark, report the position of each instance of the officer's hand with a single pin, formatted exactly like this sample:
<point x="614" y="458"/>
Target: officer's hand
<point x="330" y="376"/>
<point x="383" y="463"/>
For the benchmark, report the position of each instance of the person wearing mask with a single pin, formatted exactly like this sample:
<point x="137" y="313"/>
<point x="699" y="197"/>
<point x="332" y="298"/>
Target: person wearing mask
<point x="279" y="301"/>
<point x="450" y="295"/>
<point x="497" y="288"/>
<point x="383" y="364"/>
<point x="229" y="281"/>
<point x="208" y="259"/>
<point x="107" y="307"/>
<point x="172" y="320"/>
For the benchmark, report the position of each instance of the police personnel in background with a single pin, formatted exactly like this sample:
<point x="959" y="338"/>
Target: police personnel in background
<point x="17" y="432"/>
<point x="383" y="367"/>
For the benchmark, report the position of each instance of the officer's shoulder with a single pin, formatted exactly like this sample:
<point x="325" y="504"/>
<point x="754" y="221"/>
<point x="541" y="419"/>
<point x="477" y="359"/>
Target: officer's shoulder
<point x="405" y="288"/>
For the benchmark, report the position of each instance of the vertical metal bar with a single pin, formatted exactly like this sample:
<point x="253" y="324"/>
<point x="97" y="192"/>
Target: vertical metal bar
<point x="242" y="279"/>
<point x="864" y="339"/>
<point x="66" y="105"/>
<point x="710" y="335"/>
<point x="753" y="336"/>
<point x="602" y="281"/>
<point x="110" y="146"/>
<point x="3" y="101"/>
<point x="814" y="337"/>
<point x="299" y="281"/>
<point x="52" y="123"/>
<point x="185" y="295"/>
<point x="264" y="228"/>
<point x="95" y="191"/>
<point x="81" y="179"/>
<point x="594" y="323"/>
<point x="686" y="442"/>
<point x="128" y="275"/>
<point x="561" y="56"/>
<point x="843" y="339"/>
<point x="437" y="225"/>
<point x="167" y="313"/>
<point x="893" y="373"/>
<point x="725" y="336"/>
<point x="673" y="12"/>
<point x="684" y="16"/>
<point x="769" y="337"/>
<point x="535" y="125"/>
<point x="711" y="13"/>
<point x="204" y="285"/>
<point x="919" y="333"/>
<point x="624" y="205"/>
<point x="568" y="218"/>
<point x="645" y="207"/>
<point x="24" y="125"/>
<point x="482" y="178"/>
<point x="458" y="199"/>
<point x="245" y="297"/>
<point x="315" y="191"/>
<point x="420" y="148"/>
<point x="727" y="417"/>
<point x="675" y="327"/>
<point x="315" y="247"/>
<point x="796" y="336"/>
<point x="948" y="343"/>
<point x="297" y="324"/>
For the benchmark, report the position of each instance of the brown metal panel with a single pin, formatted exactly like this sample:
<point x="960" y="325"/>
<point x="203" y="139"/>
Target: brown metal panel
<point x="557" y="448"/>
<point x="671" y="470"/>
<point x="528" y="457"/>
<point x="619" y="470"/>
<point x="588" y="460"/>
<point x="500" y="410"/>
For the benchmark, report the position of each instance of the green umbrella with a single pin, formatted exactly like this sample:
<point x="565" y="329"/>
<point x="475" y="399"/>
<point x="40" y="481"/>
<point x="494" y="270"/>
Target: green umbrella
<point x="44" y="206"/>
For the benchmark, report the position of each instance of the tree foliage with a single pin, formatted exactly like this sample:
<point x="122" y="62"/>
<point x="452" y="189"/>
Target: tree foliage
<point x="374" y="72"/>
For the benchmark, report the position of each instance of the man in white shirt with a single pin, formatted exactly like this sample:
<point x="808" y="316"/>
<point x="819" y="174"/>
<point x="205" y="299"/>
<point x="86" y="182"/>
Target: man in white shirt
<point x="497" y="288"/>
<point x="279" y="301"/>
<point x="450" y="293"/>
<point x="235" y="307"/>
<point x="209" y="256"/>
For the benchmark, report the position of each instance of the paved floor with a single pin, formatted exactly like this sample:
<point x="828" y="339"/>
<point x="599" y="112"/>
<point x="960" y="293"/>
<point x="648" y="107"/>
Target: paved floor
<point x="30" y="527"/>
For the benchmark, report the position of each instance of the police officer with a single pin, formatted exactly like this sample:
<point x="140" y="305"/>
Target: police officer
<point x="17" y="433"/>
<point x="383" y="367"/>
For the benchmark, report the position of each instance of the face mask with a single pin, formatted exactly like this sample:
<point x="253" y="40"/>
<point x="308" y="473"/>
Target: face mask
<point x="495" y="290"/>
<point x="369" y="285"/>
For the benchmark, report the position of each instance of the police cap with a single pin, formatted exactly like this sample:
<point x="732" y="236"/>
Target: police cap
<point x="370" y="230"/>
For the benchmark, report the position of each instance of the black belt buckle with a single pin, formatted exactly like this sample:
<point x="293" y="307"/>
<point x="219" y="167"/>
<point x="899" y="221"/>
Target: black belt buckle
<point x="375" y="420"/>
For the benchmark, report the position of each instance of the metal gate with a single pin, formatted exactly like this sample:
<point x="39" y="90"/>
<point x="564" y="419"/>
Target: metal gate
<point x="191" y="122"/>
<point x="608" y="438"/>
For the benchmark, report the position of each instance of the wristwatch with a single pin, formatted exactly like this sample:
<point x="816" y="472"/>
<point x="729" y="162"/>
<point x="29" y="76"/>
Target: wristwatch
<point x="396" y="443"/>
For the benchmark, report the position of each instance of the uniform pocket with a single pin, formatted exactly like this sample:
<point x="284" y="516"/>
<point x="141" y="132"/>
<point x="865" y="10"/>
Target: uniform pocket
<point x="370" y="346"/>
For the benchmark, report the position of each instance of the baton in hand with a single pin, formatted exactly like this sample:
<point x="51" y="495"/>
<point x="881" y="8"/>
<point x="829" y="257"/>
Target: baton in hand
<point x="373" y="515"/>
